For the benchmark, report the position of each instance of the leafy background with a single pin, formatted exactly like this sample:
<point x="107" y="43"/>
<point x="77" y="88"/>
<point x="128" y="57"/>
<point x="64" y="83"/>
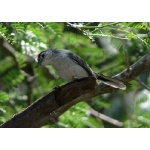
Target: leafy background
<point x="104" y="46"/>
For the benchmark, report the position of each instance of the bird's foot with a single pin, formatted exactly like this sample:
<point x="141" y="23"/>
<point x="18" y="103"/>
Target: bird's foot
<point x="56" y="88"/>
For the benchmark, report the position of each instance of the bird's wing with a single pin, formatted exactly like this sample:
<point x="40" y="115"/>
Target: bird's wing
<point x="107" y="80"/>
<point x="78" y="60"/>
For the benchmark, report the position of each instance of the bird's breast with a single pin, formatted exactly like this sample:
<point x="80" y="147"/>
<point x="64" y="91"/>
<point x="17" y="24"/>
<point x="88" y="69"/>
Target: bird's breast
<point x="68" y="69"/>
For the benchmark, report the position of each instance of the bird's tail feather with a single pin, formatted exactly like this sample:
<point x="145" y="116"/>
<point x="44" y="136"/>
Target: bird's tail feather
<point x="111" y="82"/>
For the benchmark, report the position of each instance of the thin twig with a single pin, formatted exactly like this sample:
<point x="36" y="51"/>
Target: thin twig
<point x="78" y="26"/>
<point x="142" y="84"/>
<point x="124" y="35"/>
<point x="90" y="27"/>
<point x="104" y="35"/>
<point x="126" y="59"/>
<point x="106" y="118"/>
<point x="136" y="35"/>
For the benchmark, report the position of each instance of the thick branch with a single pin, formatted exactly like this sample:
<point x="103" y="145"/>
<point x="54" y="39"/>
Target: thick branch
<point x="46" y="109"/>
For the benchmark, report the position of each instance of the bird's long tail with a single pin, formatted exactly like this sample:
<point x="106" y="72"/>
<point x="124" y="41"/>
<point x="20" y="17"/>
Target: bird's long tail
<point x="112" y="82"/>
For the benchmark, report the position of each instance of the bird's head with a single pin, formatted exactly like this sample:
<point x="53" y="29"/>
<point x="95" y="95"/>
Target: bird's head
<point x="44" y="58"/>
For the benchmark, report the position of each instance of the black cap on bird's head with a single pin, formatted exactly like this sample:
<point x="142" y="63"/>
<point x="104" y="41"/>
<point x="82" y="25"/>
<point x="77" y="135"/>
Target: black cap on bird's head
<point x="40" y="59"/>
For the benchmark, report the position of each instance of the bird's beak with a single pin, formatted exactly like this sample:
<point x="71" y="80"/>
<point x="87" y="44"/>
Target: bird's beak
<point x="38" y="64"/>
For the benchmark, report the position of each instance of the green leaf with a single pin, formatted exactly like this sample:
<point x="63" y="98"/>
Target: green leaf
<point x="131" y="35"/>
<point x="2" y="111"/>
<point x="4" y="97"/>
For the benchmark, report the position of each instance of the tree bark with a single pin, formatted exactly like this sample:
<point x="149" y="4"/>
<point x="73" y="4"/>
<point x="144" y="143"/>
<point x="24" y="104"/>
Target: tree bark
<point x="48" y="108"/>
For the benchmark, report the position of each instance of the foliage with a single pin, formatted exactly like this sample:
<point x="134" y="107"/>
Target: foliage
<point x="102" y="45"/>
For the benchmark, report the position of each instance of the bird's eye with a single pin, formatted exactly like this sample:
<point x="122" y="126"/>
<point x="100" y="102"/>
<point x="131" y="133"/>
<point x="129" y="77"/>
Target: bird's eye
<point x="43" y="55"/>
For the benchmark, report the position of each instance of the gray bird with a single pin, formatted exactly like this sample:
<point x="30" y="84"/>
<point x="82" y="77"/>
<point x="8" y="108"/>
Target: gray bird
<point x="70" y="66"/>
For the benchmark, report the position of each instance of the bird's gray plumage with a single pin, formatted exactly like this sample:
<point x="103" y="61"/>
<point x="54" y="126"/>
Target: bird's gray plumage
<point x="78" y="60"/>
<point x="70" y="66"/>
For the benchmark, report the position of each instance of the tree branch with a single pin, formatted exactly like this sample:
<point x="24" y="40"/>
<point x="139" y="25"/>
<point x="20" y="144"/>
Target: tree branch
<point x="46" y="109"/>
<point x="106" y="118"/>
<point x="142" y="84"/>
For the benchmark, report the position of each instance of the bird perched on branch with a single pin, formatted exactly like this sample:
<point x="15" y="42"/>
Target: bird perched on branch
<point x="71" y="66"/>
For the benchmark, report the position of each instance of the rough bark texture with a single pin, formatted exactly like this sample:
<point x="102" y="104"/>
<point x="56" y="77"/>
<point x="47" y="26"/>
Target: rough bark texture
<point x="47" y="108"/>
